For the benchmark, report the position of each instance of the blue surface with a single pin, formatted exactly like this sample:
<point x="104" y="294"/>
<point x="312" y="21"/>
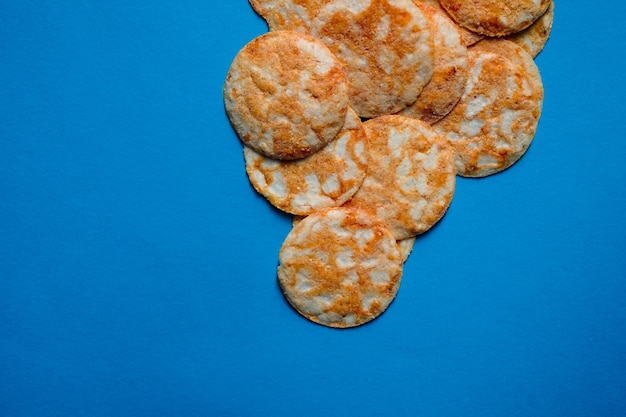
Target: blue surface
<point x="137" y="265"/>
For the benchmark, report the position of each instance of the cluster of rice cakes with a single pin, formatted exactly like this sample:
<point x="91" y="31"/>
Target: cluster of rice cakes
<point x="357" y="116"/>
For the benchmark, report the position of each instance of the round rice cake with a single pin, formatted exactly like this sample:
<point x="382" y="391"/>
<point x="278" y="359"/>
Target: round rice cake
<point x="286" y="95"/>
<point x="340" y="267"/>
<point x="411" y="176"/>
<point x="495" y="121"/>
<point x="288" y="14"/>
<point x="467" y="36"/>
<point x="328" y="178"/>
<point x="495" y="18"/>
<point x="449" y="72"/>
<point x="386" y="48"/>
<point x="534" y="38"/>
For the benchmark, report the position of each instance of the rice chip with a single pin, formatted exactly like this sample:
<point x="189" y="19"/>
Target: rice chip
<point x="449" y="72"/>
<point x="495" y="18"/>
<point x="288" y="14"/>
<point x="340" y="267"/>
<point x="534" y="38"/>
<point x="411" y="179"/>
<point x="386" y="47"/>
<point x="328" y="178"/>
<point x="286" y="95"/>
<point x="496" y="119"/>
<point x="467" y="36"/>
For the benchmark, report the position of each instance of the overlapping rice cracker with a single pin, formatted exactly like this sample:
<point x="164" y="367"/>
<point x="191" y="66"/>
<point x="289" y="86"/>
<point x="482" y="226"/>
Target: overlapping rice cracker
<point x="449" y="71"/>
<point x="286" y="95"/>
<point x="467" y="36"/>
<point x="340" y="267"/>
<point x="328" y="178"/>
<point x="534" y="38"/>
<point x="288" y="14"/>
<point x="411" y="179"/>
<point x="495" y="121"/>
<point x="386" y="48"/>
<point x="405" y="246"/>
<point x="495" y="18"/>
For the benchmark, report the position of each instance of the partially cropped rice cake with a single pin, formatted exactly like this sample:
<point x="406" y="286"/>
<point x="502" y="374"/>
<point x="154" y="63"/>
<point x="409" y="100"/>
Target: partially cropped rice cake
<point x="495" y="18"/>
<point x="515" y="54"/>
<point x="340" y="267"/>
<point x="286" y="95"/>
<point x="328" y="178"/>
<point x="449" y="72"/>
<point x="406" y="247"/>
<point x="386" y="47"/>
<point x="288" y="14"/>
<point x="534" y="38"/>
<point x="411" y="179"/>
<point x="467" y="36"/>
<point x="496" y="120"/>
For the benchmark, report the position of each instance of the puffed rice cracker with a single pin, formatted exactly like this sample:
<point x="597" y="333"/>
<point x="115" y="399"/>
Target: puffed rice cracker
<point x="340" y="267"/>
<point x="328" y="178"/>
<point x="534" y="38"/>
<point x="286" y="95"/>
<point x="496" y="120"/>
<point x="386" y="47"/>
<point x="288" y="14"/>
<point x="412" y="176"/>
<point x="495" y="18"/>
<point x="449" y="72"/>
<point x="467" y="36"/>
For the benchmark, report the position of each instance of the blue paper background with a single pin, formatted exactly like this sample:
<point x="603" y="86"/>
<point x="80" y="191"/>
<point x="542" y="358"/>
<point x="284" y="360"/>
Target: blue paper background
<point x="137" y="265"/>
